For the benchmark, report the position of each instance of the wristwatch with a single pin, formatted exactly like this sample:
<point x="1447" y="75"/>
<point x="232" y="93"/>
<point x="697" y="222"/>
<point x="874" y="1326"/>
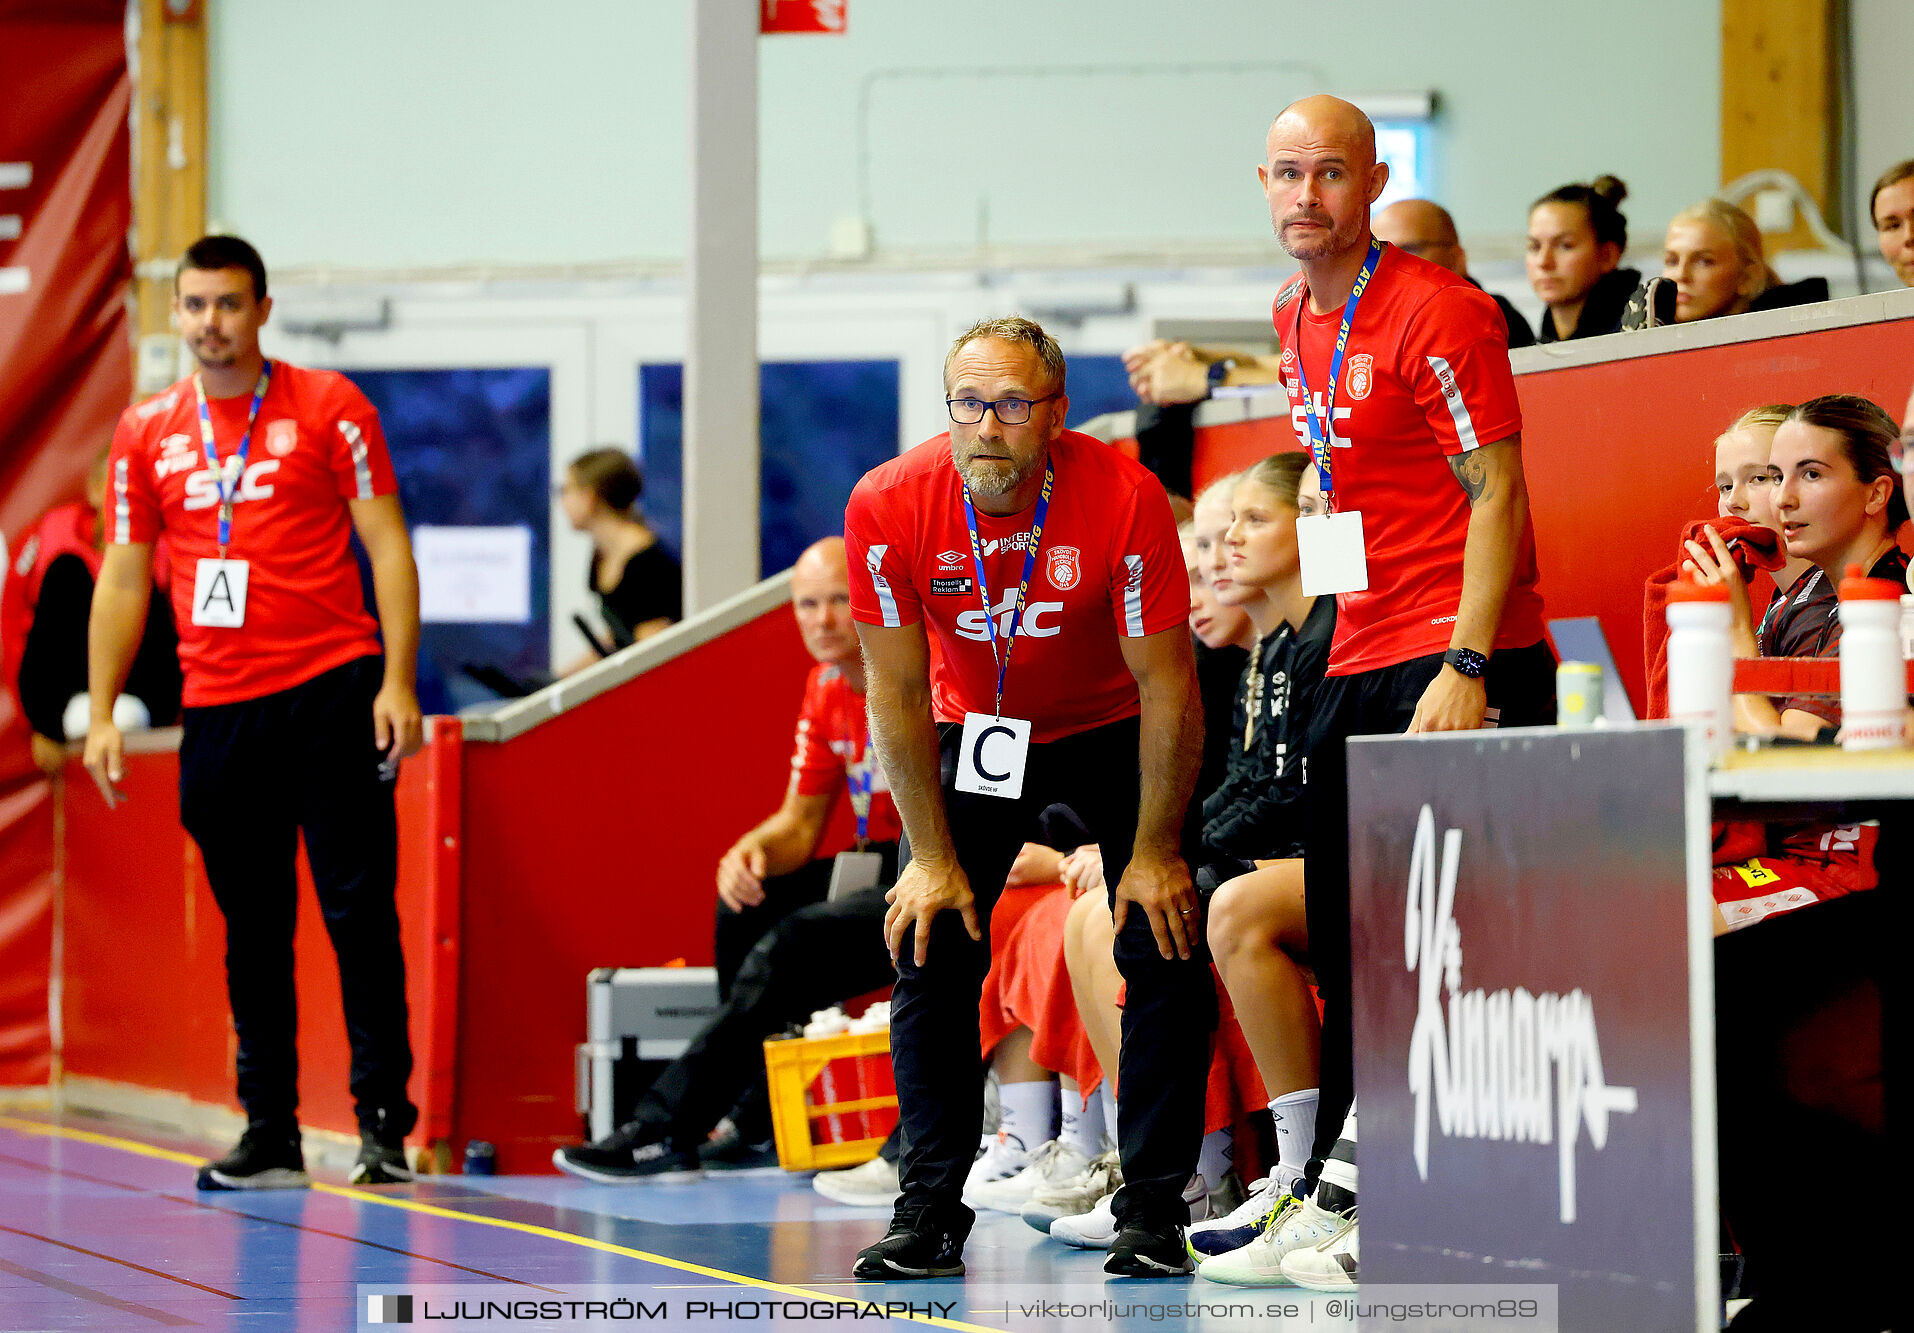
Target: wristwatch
<point x="1219" y="371"/>
<point x="1467" y="661"/>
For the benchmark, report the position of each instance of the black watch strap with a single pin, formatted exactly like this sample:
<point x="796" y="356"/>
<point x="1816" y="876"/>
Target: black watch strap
<point x="1219" y="370"/>
<point x="1467" y="661"/>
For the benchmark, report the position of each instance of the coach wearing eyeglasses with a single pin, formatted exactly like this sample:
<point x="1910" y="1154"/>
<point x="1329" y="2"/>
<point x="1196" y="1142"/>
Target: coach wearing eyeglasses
<point x="1045" y="567"/>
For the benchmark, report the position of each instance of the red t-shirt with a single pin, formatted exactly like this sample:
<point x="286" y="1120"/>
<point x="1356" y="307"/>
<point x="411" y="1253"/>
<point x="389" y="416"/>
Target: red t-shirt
<point x="316" y="445"/>
<point x="1425" y="378"/>
<point x="1110" y="566"/>
<point x="831" y="736"/>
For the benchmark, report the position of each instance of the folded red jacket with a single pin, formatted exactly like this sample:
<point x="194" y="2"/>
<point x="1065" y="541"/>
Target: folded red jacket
<point x="1753" y="547"/>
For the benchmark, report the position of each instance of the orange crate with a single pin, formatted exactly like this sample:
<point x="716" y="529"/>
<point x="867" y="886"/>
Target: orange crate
<point x="833" y="1099"/>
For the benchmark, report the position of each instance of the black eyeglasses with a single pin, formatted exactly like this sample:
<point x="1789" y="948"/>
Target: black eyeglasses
<point x="1010" y="411"/>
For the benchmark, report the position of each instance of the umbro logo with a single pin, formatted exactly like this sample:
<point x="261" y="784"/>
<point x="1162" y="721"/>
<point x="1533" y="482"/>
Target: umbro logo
<point x="950" y="557"/>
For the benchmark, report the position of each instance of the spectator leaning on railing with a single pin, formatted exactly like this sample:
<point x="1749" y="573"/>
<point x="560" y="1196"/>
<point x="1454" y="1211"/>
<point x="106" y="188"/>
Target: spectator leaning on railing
<point x="1426" y="230"/>
<point x="1713" y="264"/>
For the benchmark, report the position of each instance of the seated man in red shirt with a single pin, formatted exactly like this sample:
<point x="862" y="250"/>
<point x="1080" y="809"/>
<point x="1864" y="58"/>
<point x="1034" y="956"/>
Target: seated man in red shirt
<point x="813" y="955"/>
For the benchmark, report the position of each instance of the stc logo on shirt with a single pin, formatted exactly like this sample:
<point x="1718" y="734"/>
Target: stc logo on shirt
<point x="1300" y="424"/>
<point x="970" y="625"/>
<point x="202" y="487"/>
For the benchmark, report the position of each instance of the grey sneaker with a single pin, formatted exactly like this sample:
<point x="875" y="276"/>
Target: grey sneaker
<point x="380" y="1164"/>
<point x="872" y="1185"/>
<point x="263" y="1159"/>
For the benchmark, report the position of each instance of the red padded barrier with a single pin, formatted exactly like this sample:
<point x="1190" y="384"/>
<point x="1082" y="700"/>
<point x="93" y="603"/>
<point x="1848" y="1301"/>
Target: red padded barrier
<point x="1620" y="455"/>
<point x="592" y="841"/>
<point x="145" y="997"/>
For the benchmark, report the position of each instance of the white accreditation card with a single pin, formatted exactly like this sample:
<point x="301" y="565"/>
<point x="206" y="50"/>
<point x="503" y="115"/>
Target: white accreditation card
<point x="1329" y="547"/>
<point x="853" y="872"/>
<point x="991" y="758"/>
<point x="219" y="593"/>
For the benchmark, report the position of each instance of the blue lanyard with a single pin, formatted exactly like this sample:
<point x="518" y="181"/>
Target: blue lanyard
<point x="236" y="463"/>
<point x="1023" y="591"/>
<point x="861" y="776"/>
<point x="1322" y="431"/>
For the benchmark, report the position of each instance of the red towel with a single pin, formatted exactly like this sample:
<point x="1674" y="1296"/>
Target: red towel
<point x="1753" y="547"/>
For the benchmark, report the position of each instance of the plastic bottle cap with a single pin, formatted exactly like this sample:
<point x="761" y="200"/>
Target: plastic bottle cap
<point x="1687" y="591"/>
<point x="1857" y="587"/>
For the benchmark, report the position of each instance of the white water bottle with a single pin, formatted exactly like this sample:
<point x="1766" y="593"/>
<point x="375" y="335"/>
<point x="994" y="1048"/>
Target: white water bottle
<point x="1701" y="663"/>
<point x="1873" y="672"/>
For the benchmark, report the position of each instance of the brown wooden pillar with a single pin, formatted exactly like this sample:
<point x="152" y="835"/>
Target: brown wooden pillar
<point x="1780" y="106"/>
<point x="169" y="156"/>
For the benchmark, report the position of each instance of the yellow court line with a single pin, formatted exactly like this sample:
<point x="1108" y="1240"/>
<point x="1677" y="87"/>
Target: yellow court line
<point x="505" y="1224"/>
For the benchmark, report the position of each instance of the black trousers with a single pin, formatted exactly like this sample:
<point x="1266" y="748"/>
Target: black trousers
<point x="1167" y="1018"/>
<point x="816" y="956"/>
<point x="1521" y="690"/>
<point x="253" y="777"/>
<point x="736" y="934"/>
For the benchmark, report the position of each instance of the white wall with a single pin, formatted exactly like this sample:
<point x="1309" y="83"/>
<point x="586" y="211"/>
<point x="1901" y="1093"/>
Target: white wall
<point x="404" y="133"/>
<point x="1883" y="95"/>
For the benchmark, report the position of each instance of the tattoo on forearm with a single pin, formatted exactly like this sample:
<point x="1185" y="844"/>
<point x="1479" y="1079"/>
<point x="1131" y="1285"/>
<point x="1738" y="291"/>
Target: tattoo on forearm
<point x="1472" y="470"/>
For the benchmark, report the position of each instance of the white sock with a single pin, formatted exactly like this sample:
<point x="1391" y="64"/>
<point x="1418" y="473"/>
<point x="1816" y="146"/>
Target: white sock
<point x="1213" y="1162"/>
<point x="1107" y="1094"/>
<point x="1295" y="1117"/>
<point x="1082" y="1124"/>
<point x="1030" y="1113"/>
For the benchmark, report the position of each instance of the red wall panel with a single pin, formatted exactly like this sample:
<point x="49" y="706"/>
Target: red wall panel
<point x="1620" y="455"/>
<point x="592" y="841"/>
<point x="65" y="373"/>
<point x="145" y="998"/>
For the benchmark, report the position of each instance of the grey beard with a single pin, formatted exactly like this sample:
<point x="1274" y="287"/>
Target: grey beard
<point x="992" y="482"/>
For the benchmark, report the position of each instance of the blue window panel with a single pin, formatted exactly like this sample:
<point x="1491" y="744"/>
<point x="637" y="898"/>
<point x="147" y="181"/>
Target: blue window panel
<point x="1098" y="384"/>
<point x="473" y="448"/>
<point x="823" y="425"/>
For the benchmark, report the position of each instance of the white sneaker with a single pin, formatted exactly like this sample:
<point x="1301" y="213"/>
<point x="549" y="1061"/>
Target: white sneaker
<point x="1095" y="1229"/>
<point x="1053" y="1163"/>
<point x="1245" y="1222"/>
<point x="1299" y="1225"/>
<point x="1330" y="1266"/>
<point x="1102" y="1175"/>
<point x="871" y="1185"/>
<point x="1001" y="1158"/>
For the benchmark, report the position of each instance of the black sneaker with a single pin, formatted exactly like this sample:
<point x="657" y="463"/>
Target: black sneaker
<point x="632" y="1152"/>
<point x="1144" y="1250"/>
<point x="264" y="1159"/>
<point x="727" y="1152"/>
<point x="916" y="1246"/>
<point x="380" y="1164"/>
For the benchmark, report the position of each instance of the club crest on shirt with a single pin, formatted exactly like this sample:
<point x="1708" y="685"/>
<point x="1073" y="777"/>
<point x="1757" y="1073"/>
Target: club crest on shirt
<point x="282" y="437"/>
<point x="1064" y="567"/>
<point x="1362" y="371"/>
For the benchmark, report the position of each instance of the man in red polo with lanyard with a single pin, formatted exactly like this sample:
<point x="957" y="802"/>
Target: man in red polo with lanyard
<point x="258" y="473"/>
<point x="1020" y="593"/>
<point x="1399" y="382"/>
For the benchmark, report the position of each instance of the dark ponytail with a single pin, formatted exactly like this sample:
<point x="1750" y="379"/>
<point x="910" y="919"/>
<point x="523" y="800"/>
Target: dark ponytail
<point x="1602" y="198"/>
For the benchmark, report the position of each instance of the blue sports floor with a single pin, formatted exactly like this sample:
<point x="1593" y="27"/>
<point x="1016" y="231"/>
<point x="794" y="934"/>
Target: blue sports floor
<point x="101" y="1229"/>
